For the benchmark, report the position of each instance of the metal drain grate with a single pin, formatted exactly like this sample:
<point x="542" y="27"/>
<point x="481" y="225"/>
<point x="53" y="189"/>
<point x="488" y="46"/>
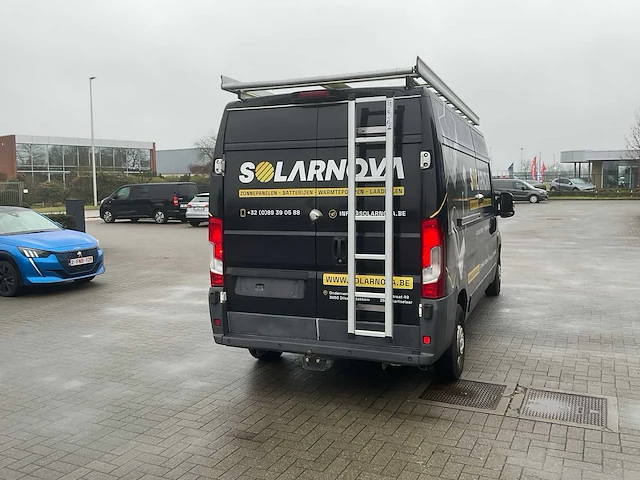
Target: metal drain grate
<point x="465" y="393"/>
<point x="565" y="407"/>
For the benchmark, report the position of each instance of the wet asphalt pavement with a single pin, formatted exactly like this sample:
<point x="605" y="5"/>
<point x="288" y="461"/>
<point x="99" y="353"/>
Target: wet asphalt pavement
<point x="121" y="378"/>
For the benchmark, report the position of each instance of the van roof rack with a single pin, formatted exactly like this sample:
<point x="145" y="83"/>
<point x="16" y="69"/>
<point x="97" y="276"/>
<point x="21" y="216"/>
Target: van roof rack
<point x="412" y="76"/>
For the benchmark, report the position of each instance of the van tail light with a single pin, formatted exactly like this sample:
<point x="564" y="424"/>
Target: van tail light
<point x="176" y="201"/>
<point x="216" y="265"/>
<point x="433" y="255"/>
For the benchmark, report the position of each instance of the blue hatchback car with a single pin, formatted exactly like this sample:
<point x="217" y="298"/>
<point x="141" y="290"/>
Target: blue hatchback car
<point x="36" y="251"/>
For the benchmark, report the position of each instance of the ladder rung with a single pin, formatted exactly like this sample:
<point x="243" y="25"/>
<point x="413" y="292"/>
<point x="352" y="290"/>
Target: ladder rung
<point x="364" y="307"/>
<point x="377" y="130"/>
<point x="371" y="99"/>
<point x="371" y="139"/>
<point x="370" y="333"/>
<point x="369" y="294"/>
<point x="369" y="179"/>
<point x="370" y="256"/>
<point x="370" y="218"/>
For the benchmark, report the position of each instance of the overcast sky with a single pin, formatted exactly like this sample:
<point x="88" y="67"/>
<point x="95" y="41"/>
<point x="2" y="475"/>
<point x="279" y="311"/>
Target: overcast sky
<point x="542" y="75"/>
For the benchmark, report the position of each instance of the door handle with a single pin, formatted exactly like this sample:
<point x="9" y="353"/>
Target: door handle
<point x="315" y="214"/>
<point x="339" y="250"/>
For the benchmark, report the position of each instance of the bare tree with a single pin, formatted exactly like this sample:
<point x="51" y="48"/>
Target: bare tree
<point x="206" y="146"/>
<point x="633" y="140"/>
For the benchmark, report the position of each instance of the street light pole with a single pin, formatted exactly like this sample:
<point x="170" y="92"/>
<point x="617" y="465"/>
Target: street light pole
<point x="93" y="148"/>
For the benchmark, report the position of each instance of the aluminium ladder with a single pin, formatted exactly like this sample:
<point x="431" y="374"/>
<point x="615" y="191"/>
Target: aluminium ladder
<point x="381" y="134"/>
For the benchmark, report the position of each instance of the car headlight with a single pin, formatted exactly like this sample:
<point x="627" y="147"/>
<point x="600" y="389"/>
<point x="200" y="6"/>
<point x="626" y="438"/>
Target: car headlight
<point x="33" y="252"/>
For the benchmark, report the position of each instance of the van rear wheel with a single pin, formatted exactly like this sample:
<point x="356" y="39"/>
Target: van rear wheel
<point x="450" y="365"/>
<point x="493" y="290"/>
<point x="108" y="216"/>
<point x="160" y="217"/>
<point x="265" y="355"/>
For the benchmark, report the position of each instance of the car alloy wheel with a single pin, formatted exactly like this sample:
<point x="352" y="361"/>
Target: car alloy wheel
<point x="107" y="216"/>
<point x="460" y="343"/>
<point x="9" y="283"/>
<point x="534" y="199"/>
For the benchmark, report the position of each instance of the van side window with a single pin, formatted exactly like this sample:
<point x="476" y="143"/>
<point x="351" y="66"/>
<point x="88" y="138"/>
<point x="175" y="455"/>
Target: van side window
<point x="484" y="185"/>
<point x="463" y="131"/>
<point x="123" y="193"/>
<point x="479" y="144"/>
<point x="138" y="192"/>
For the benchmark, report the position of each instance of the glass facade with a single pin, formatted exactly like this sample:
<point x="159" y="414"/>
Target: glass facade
<point x="623" y="174"/>
<point x="51" y="162"/>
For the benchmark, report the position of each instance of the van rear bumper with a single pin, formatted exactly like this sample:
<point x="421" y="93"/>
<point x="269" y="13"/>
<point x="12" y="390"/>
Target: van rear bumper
<point x="329" y="337"/>
<point x="375" y="353"/>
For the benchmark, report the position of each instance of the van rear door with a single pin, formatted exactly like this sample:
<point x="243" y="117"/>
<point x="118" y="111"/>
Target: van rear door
<point x="269" y="238"/>
<point x="408" y="210"/>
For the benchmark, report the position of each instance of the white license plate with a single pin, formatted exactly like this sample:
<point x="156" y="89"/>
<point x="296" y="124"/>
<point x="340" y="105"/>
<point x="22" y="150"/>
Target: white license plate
<point x="74" y="262"/>
<point x="199" y="208"/>
<point x="183" y="205"/>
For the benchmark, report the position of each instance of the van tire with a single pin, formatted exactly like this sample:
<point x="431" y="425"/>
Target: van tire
<point x="493" y="290"/>
<point x="265" y="355"/>
<point x="534" y="199"/>
<point x="194" y="223"/>
<point x="160" y="217"/>
<point x="450" y="365"/>
<point x="108" y="216"/>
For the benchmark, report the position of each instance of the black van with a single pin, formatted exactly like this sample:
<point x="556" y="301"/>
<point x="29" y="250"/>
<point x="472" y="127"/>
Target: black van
<point x="321" y="246"/>
<point x="160" y="201"/>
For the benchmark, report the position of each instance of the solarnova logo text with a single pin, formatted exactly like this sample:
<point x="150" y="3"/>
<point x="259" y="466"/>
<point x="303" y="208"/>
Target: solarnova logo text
<point x="316" y="170"/>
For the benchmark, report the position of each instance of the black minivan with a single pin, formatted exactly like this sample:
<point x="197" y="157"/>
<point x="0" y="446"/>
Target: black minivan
<point x="160" y="201"/>
<point x="355" y="223"/>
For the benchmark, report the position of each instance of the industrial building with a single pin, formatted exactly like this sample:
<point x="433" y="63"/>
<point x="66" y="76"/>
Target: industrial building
<point x="177" y="161"/>
<point x="605" y="168"/>
<point x="42" y="159"/>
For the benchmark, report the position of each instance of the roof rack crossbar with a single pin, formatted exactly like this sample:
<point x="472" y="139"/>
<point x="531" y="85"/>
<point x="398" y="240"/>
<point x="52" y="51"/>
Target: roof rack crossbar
<point x="411" y="75"/>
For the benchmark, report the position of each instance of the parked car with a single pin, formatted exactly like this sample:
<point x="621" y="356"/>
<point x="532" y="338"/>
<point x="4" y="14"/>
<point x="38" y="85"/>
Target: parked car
<point x="571" y="184"/>
<point x="35" y="250"/>
<point x="537" y="184"/>
<point x="160" y="201"/>
<point x="198" y="209"/>
<point x="520" y="189"/>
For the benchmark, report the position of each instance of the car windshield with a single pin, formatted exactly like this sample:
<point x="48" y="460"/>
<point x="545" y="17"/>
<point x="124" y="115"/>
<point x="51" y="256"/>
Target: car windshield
<point x="578" y="180"/>
<point x="200" y="198"/>
<point x="13" y="222"/>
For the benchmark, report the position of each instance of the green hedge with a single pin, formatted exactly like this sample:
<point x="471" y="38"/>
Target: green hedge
<point x="80" y="186"/>
<point x="67" y="221"/>
<point x="599" y="193"/>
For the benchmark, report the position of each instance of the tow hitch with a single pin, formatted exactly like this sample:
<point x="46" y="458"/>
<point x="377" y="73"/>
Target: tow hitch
<point x="316" y="362"/>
